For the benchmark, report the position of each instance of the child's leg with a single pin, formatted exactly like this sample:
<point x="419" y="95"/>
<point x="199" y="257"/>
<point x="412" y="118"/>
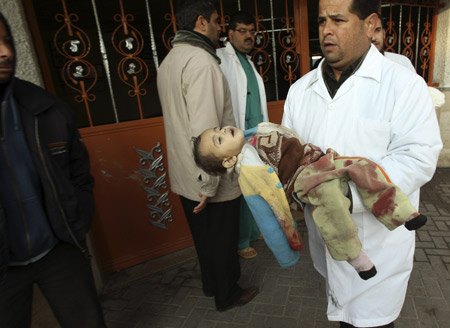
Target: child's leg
<point x="386" y="201"/>
<point x="339" y="232"/>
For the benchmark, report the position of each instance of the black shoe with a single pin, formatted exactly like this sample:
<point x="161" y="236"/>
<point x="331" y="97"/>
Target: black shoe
<point x="247" y="295"/>
<point x="368" y="274"/>
<point x="416" y="222"/>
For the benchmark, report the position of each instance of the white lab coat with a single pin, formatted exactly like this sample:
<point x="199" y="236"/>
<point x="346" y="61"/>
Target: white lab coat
<point x="437" y="97"/>
<point x="237" y="80"/>
<point x="400" y="59"/>
<point x="382" y="112"/>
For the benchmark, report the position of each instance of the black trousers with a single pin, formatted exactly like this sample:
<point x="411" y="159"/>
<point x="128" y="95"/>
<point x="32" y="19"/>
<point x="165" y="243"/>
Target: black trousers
<point x="65" y="278"/>
<point x="215" y="231"/>
<point x="347" y="325"/>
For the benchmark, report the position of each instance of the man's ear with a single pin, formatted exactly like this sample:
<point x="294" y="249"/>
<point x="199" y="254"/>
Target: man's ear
<point x="200" y="24"/>
<point x="229" y="162"/>
<point x="230" y="36"/>
<point x="370" y="24"/>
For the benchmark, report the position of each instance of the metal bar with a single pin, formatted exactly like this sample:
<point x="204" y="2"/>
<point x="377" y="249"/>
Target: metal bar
<point x="274" y="51"/>
<point x="400" y="35"/>
<point x="410" y="4"/>
<point x="105" y="59"/>
<point x="152" y="36"/>
<point x="417" y="38"/>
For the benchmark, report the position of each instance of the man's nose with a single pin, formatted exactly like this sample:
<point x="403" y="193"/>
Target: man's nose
<point x="5" y="50"/>
<point x="326" y="28"/>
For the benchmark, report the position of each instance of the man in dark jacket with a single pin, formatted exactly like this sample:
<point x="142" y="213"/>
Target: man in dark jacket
<point x="46" y="204"/>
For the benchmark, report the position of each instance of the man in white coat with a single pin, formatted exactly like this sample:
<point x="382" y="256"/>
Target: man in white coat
<point x="378" y="41"/>
<point x="248" y="98"/>
<point x="362" y="104"/>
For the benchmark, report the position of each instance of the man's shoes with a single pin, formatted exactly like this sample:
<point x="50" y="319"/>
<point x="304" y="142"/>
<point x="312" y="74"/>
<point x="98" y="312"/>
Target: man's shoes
<point x="247" y="295"/>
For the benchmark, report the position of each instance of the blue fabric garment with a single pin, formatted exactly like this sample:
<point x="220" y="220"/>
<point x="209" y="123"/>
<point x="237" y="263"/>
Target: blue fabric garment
<point x="268" y="204"/>
<point x="250" y="132"/>
<point x="21" y="196"/>
<point x="271" y="230"/>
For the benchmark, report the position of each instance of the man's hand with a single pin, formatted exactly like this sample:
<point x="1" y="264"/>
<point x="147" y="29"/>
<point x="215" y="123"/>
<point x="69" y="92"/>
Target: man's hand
<point x="202" y="204"/>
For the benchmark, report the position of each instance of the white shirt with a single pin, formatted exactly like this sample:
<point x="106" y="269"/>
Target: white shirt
<point x="237" y="81"/>
<point x="382" y="112"/>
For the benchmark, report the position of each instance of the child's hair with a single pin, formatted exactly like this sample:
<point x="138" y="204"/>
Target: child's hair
<point x="207" y="162"/>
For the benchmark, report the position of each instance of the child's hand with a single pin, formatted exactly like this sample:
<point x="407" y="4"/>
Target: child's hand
<point x="202" y="204"/>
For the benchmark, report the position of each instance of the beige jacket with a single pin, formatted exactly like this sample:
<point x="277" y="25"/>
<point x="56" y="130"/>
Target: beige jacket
<point x="194" y="96"/>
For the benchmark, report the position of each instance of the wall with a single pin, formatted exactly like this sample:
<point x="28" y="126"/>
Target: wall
<point x="442" y="76"/>
<point x="27" y="65"/>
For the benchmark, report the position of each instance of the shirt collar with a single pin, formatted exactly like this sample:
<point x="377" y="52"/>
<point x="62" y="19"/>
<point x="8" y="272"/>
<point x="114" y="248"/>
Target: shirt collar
<point x="370" y="67"/>
<point x="206" y="39"/>
<point x="328" y="71"/>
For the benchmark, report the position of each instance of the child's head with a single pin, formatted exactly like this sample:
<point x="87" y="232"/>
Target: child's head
<point x="216" y="150"/>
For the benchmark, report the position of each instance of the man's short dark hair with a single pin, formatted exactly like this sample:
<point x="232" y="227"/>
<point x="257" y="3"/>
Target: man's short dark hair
<point x="241" y="17"/>
<point x="382" y="20"/>
<point x="364" y="8"/>
<point x="189" y="10"/>
<point x="207" y="162"/>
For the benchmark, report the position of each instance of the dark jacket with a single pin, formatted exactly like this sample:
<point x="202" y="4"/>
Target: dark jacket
<point x="62" y="162"/>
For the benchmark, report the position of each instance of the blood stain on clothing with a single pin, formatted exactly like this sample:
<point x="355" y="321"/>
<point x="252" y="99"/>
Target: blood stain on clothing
<point x="385" y="204"/>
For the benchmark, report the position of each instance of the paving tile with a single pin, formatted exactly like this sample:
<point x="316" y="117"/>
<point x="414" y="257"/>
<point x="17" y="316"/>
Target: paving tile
<point x="196" y="316"/>
<point x="243" y="314"/>
<point x="407" y="323"/>
<point x="409" y="309"/>
<point x="292" y="310"/>
<point x="280" y="296"/>
<point x="268" y="309"/>
<point x="257" y="321"/>
<point x="187" y="307"/>
<point x="280" y="322"/>
<point x="432" y="288"/>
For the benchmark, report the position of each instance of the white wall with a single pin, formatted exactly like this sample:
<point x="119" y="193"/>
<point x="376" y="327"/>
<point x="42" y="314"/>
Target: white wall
<point x="27" y="65"/>
<point x="441" y="75"/>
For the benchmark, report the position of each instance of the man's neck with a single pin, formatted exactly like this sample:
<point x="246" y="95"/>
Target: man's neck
<point x="243" y="54"/>
<point x="333" y="81"/>
<point x="206" y="39"/>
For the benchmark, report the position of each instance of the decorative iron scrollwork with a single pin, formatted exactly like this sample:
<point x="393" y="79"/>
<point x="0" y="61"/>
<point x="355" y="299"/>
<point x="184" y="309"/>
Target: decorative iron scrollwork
<point x="426" y="44"/>
<point x="167" y="34"/>
<point x="128" y="42"/>
<point x="289" y="59"/>
<point x="408" y="37"/>
<point x="155" y="186"/>
<point x="74" y="44"/>
<point x="260" y="56"/>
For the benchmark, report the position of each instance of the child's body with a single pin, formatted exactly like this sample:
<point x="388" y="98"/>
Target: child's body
<point x="309" y="175"/>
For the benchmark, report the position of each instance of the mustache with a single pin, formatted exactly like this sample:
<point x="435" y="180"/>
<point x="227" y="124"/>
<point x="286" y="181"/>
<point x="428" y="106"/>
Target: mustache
<point x="7" y="62"/>
<point x="249" y="39"/>
<point x="328" y="41"/>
